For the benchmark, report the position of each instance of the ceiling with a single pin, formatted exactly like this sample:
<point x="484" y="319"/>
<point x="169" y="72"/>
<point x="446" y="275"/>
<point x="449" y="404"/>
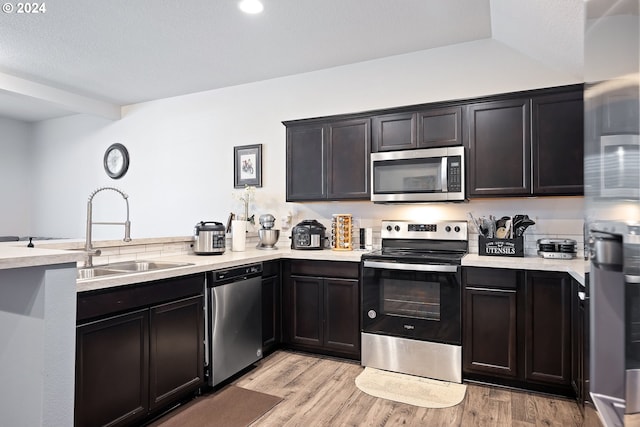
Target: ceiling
<point x="94" y="57"/>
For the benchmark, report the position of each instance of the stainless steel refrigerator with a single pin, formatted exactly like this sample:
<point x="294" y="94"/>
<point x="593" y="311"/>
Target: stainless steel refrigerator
<point x="612" y="206"/>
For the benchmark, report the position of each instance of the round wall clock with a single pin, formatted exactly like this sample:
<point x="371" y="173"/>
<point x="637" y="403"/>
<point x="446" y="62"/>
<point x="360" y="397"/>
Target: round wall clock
<point x="116" y="161"/>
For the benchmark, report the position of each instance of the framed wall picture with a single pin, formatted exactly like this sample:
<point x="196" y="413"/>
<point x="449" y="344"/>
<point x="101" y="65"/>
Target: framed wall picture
<point x="247" y="165"/>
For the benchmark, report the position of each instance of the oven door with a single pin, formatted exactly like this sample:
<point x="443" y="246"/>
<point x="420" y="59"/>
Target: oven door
<point x="416" y="301"/>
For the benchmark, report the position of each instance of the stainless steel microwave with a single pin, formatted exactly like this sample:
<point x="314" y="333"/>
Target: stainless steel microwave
<point x="620" y="166"/>
<point x="426" y="175"/>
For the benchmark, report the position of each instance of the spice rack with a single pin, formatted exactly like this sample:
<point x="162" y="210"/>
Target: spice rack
<point x="342" y="232"/>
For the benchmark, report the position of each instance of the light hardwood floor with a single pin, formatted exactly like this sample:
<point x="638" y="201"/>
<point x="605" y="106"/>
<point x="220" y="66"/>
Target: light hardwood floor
<point x="321" y="391"/>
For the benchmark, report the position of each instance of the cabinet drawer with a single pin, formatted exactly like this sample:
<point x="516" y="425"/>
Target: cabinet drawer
<point x="342" y="269"/>
<point x="491" y="277"/>
<point x="104" y="302"/>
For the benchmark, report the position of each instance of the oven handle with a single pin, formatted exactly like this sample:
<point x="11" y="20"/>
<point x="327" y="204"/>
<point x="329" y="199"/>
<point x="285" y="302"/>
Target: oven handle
<point x="411" y="267"/>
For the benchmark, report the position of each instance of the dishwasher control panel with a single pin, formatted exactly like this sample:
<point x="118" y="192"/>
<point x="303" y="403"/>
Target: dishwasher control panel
<point x="237" y="273"/>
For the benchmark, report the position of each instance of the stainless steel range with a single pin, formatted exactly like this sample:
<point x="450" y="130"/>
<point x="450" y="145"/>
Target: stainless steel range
<point x="411" y="299"/>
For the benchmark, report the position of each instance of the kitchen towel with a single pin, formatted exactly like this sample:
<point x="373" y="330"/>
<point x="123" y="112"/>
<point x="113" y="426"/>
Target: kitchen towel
<point x="417" y="391"/>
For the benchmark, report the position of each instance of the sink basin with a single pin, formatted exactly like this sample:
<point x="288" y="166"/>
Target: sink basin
<point x="126" y="267"/>
<point x="94" y="272"/>
<point x="134" y="266"/>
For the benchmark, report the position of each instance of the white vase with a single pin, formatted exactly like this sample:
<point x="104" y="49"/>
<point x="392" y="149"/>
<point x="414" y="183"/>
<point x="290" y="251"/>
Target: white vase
<point x="238" y="234"/>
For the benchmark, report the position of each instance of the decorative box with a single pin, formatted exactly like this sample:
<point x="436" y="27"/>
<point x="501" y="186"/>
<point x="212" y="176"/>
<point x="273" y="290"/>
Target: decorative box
<point x="501" y="247"/>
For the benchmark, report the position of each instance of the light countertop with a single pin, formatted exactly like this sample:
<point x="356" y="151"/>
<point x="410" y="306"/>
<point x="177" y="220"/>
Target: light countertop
<point x="576" y="267"/>
<point x="12" y="256"/>
<point x="202" y="263"/>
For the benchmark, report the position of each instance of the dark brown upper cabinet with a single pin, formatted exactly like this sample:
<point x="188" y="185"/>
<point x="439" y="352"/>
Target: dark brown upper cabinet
<point x="328" y="160"/>
<point x="558" y="144"/>
<point x="440" y="127"/>
<point x="437" y="127"/>
<point x="394" y="132"/>
<point x="306" y="162"/>
<point x="499" y="148"/>
<point x="530" y="145"/>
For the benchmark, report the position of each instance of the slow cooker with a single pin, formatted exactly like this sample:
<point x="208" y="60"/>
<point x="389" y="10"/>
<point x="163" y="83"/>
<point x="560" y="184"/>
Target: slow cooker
<point x="209" y="238"/>
<point x="308" y="234"/>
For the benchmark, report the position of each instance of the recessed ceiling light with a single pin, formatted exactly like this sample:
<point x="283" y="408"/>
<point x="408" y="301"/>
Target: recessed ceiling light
<point x="251" y="6"/>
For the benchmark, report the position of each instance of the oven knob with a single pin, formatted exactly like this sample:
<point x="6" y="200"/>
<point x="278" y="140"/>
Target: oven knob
<point x="372" y="314"/>
<point x="397" y="228"/>
<point x="389" y="228"/>
<point x="456" y="229"/>
<point x="447" y="229"/>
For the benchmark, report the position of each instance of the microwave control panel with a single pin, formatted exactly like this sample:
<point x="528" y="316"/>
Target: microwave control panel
<point x="454" y="174"/>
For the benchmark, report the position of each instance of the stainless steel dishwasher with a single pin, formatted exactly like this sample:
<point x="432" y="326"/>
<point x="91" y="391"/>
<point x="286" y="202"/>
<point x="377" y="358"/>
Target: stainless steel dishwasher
<point x="235" y="320"/>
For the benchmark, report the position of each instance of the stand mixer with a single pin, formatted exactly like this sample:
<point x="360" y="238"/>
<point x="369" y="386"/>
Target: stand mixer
<point x="268" y="236"/>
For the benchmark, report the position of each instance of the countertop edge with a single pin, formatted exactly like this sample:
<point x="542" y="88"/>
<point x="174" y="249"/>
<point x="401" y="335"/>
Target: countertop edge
<point x="18" y="257"/>
<point x="203" y="263"/>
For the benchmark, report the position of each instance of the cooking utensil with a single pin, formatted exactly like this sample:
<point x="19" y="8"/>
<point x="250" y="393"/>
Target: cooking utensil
<point x="487" y="227"/>
<point x="477" y="224"/>
<point x="523" y="224"/>
<point x="232" y="216"/>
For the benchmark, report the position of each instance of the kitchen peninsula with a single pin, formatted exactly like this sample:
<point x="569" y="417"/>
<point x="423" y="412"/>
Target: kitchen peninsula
<point x="38" y="295"/>
<point x="37" y="331"/>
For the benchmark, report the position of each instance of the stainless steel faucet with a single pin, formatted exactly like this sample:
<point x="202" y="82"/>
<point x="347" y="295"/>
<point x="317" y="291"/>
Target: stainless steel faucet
<point x="88" y="246"/>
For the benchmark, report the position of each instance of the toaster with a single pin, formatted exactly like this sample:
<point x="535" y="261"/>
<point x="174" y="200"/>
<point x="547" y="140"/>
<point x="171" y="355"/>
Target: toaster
<point x="308" y="234"/>
<point x="557" y="248"/>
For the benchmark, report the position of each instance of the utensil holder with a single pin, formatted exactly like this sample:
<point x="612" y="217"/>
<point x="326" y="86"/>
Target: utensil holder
<point x="501" y="247"/>
<point x="342" y="232"/>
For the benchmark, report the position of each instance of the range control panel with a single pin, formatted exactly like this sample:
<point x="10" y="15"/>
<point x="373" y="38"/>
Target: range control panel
<point x="433" y="230"/>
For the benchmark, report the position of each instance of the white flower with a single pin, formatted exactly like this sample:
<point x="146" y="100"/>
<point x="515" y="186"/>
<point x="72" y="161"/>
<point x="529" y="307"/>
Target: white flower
<point x="245" y="196"/>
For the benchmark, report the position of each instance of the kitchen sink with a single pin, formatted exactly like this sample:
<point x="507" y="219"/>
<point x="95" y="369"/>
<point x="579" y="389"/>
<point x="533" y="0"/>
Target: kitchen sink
<point x="126" y="267"/>
<point x="94" y="272"/>
<point x="143" y="265"/>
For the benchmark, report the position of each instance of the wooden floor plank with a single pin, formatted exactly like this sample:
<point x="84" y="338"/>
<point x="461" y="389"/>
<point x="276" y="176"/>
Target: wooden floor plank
<point x="321" y="391"/>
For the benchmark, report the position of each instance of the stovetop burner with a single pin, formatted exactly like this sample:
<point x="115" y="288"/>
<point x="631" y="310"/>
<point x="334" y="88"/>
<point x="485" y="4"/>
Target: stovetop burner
<point x="440" y="242"/>
<point x="416" y="257"/>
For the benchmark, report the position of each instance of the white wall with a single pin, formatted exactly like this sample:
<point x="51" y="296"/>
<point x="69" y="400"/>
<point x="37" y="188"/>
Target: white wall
<point x="182" y="148"/>
<point x="15" y="183"/>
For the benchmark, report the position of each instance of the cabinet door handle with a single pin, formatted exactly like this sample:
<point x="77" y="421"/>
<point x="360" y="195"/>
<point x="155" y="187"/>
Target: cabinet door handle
<point x="473" y="288"/>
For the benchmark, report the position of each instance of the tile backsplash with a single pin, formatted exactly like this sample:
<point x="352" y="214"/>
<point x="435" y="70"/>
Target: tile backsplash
<point x="114" y="251"/>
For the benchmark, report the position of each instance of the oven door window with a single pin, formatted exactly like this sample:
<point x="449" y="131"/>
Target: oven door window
<point x="426" y="175"/>
<point x="411" y="299"/>
<point x="411" y="304"/>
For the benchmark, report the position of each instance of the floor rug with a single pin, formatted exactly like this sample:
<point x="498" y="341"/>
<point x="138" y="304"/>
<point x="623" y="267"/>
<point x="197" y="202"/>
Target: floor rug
<point x="230" y="407"/>
<point x="410" y="389"/>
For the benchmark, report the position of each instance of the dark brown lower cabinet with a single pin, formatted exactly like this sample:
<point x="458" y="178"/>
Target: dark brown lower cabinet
<point x="548" y="328"/>
<point x="271" y="306"/>
<point x="176" y="350"/>
<point x="490" y="331"/>
<point x="320" y="310"/>
<point x="517" y="328"/>
<point x="140" y="361"/>
<point x="112" y="370"/>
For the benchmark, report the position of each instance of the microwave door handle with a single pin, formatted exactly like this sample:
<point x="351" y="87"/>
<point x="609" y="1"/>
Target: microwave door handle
<point x="443" y="174"/>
